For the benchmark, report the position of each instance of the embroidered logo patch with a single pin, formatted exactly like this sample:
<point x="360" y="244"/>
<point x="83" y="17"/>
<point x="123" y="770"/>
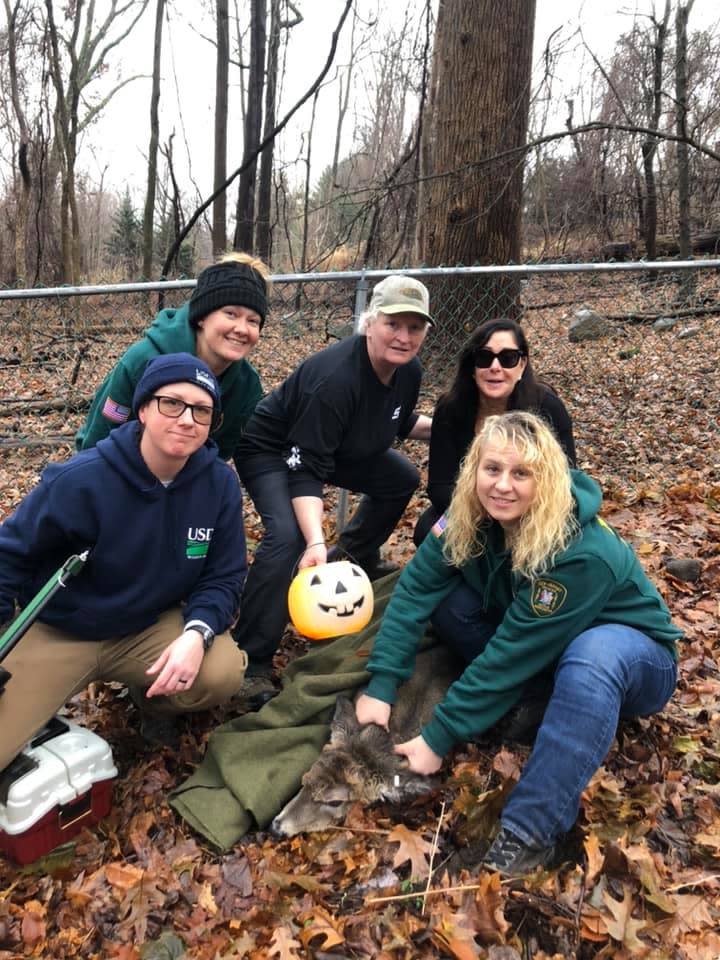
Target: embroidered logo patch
<point x="198" y="542"/>
<point x="194" y="551"/>
<point x="294" y="461"/>
<point x="205" y="380"/>
<point x="411" y="293"/>
<point x="547" y="597"/>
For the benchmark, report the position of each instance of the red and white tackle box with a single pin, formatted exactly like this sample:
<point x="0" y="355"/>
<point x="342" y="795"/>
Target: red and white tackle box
<point x="60" y="783"/>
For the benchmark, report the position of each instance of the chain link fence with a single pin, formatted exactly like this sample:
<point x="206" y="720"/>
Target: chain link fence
<point x="643" y="395"/>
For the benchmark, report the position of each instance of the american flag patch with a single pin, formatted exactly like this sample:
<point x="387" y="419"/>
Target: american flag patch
<point x="115" y="411"/>
<point x="439" y="526"/>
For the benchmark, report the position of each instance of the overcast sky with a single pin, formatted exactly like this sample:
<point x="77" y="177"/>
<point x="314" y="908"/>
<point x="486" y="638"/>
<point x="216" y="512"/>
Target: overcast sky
<point x="119" y="140"/>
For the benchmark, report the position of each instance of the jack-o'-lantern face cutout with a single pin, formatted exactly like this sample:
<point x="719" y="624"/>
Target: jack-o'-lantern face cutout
<point x="330" y="600"/>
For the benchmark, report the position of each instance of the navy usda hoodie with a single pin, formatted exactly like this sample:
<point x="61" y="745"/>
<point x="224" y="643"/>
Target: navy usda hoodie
<point x="151" y="547"/>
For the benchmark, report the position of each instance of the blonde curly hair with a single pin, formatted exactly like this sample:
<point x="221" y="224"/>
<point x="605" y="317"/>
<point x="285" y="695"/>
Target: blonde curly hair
<point x="549" y="524"/>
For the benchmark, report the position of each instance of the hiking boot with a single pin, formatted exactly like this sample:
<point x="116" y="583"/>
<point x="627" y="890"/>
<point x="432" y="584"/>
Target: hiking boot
<point x="157" y="729"/>
<point x="508" y="855"/>
<point x="258" y="687"/>
<point x="521" y="723"/>
<point x="373" y="564"/>
<point x="376" y="567"/>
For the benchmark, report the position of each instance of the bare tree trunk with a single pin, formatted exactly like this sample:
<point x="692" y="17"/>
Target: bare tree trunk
<point x="681" y="20"/>
<point x="149" y="213"/>
<point x="244" y="227"/>
<point x="262" y="231"/>
<point x="479" y="102"/>
<point x="62" y="137"/>
<point x="650" y="145"/>
<point x="343" y="101"/>
<point x="222" y="66"/>
<point x="87" y="48"/>
<point x="306" y="195"/>
<point x="478" y="107"/>
<point x="23" y="164"/>
<point x="175" y="203"/>
<point x="195" y="216"/>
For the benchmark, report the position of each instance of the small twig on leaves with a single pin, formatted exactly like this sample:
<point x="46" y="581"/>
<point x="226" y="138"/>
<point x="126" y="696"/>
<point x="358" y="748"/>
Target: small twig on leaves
<point x="428" y="893"/>
<point x="432" y="854"/>
<point x="693" y="883"/>
<point x="384" y="833"/>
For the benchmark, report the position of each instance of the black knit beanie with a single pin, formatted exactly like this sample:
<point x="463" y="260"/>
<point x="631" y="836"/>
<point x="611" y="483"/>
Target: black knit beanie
<point x="228" y="284"/>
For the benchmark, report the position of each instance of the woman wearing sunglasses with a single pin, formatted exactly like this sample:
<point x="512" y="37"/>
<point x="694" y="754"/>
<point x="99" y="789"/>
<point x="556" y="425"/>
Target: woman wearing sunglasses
<point x="494" y="375"/>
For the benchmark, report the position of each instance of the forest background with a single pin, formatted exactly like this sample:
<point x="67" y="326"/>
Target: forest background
<point x="384" y="141"/>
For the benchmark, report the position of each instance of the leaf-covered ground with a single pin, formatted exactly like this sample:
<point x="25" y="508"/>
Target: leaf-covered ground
<point x="643" y="870"/>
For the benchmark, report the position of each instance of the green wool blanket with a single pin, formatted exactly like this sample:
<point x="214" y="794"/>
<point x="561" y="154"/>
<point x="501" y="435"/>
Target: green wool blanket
<point x="254" y="763"/>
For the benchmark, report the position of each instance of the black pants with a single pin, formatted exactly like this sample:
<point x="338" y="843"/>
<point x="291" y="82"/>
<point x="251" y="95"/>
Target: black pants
<point x="387" y="481"/>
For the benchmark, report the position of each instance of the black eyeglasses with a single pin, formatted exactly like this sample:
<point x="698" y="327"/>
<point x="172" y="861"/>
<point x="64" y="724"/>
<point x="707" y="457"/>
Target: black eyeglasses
<point x="171" y="407"/>
<point x="506" y="358"/>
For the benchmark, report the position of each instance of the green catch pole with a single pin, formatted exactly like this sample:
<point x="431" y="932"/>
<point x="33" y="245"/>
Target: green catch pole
<point x="22" y="623"/>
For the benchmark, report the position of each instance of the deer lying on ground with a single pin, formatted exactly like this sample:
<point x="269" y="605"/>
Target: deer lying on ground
<point x="358" y="763"/>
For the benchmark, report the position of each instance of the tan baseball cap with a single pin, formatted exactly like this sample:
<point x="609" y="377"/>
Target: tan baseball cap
<point x="401" y="295"/>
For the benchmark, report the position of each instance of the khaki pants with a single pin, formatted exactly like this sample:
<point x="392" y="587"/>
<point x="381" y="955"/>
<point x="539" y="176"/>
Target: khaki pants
<point x="49" y="667"/>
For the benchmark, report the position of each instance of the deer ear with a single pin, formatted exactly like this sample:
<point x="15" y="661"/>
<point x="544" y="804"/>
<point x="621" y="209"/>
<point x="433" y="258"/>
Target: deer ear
<point x="343" y="723"/>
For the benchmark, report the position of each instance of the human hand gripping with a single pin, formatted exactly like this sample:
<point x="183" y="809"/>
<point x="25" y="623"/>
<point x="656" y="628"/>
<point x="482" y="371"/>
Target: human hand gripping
<point x="371" y="710"/>
<point x="315" y="554"/>
<point x="421" y="759"/>
<point x="177" y="666"/>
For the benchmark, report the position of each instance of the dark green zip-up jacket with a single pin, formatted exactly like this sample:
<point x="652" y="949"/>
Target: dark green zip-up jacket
<point x="170" y="332"/>
<point x="597" y="579"/>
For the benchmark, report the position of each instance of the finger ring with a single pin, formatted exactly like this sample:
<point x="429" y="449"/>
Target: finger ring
<point x="182" y="680"/>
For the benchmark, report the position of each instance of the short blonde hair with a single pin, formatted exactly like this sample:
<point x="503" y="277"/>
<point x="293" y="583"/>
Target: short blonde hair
<point x="237" y="256"/>
<point x="549" y="524"/>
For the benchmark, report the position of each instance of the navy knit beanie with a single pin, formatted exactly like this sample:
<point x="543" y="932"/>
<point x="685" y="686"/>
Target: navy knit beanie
<point x="176" y="368"/>
<point x="228" y="284"/>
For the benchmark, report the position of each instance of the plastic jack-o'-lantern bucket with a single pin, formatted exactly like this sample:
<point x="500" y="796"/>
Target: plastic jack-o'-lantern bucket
<point x="330" y="599"/>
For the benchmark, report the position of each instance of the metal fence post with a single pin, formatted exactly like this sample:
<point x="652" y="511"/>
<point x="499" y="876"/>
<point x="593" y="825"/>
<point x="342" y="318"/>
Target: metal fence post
<point x="361" y="290"/>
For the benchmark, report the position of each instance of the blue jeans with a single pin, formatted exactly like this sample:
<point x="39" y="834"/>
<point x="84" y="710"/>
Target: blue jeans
<point x="604" y="673"/>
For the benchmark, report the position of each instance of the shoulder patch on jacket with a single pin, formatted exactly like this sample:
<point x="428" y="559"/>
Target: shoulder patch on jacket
<point x="438" y="528"/>
<point x="547" y="597"/>
<point x="115" y="411"/>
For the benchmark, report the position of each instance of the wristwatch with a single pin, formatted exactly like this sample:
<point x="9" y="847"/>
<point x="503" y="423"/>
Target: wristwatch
<point x="206" y="632"/>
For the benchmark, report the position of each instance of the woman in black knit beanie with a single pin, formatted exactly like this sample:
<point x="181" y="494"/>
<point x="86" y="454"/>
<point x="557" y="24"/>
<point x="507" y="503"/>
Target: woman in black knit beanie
<point x="220" y="324"/>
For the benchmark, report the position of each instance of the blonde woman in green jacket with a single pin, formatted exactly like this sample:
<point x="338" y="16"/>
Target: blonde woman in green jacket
<point x="524" y="581"/>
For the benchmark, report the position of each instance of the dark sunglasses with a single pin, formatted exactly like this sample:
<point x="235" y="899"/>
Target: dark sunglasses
<point x="506" y="358"/>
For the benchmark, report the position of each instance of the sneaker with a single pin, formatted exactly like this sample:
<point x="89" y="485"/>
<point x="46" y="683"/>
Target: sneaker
<point x="157" y="729"/>
<point x="507" y="854"/>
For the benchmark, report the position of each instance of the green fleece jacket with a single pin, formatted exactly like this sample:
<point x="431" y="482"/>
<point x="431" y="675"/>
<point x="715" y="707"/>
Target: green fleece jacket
<point x="170" y="333"/>
<point x="597" y="579"/>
